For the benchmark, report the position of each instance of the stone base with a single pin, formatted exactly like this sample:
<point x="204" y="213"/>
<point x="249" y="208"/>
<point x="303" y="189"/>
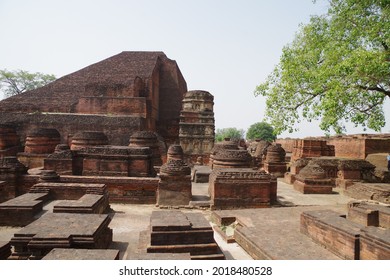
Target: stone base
<point x="174" y="191"/>
<point x="307" y="188"/>
<point x="61" y="230"/>
<point x="21" y="211"/>
<point x="176" y="232"/>
<point x="82" y="254"/>
<point x="87" y="204"/>
<point x="241" y="188"/>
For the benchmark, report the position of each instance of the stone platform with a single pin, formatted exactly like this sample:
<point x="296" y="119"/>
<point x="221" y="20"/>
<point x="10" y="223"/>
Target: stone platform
<point x="88" y="204"/>
<point x="21" y="211"/>
<point x="82" y="254"/>
<point x="178" y="232"/>
<point x="61" y="230"/>
<point x="5" y="250"/>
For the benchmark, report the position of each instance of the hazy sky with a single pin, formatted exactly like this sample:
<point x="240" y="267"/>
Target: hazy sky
<point x="224" y="47"/>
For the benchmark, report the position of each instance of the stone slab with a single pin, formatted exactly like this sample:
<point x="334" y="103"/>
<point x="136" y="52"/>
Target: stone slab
<point x="178" y="232"/>
<point x="21" y="210"/>
<point x="61" y="230"/>
<point x="88" y="203"/>
<point x="82" y="254"/>
<point x="174" y="221"/>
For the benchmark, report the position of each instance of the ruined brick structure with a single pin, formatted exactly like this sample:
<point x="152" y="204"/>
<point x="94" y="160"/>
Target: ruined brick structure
<point x="174" y="188"/>
<point x="311" y="148"/>
<point x="362" y="234"/>
<point x="241" y="188"/>
<point x="197" y="124"/>
<point x="9" y="141"/>
<point x="11" y="171"/>
<point x="226" y="144"/>
<point x="313" y="179"/>
<point x="275" y="160"/>
<point x="361" y="145"/>
<point x="39" y="144"/>
<point x="128" y="92"/>
<point x="148" y="139"/>
<point x="341" y="171"/>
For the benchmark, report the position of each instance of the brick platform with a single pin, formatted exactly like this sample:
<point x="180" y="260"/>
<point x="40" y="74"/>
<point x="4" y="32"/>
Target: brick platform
<point x="70" y="191"/>
<point x="88" y="204"/>
<point x="20" y="211"/>
<point x="272" y="233"/>
<point x="82" y="254"/>
<point x="375" y="244"/>
<point x="241" y="188"/>
<point x="61" y="230"/>
<point x="379" y="192"/>
<point x="350" y="238"/>
<point x="176" y="232"/>
<point x="5" y="250"/>
<point x="123" y="189"/>
<point x="336" y="233"/>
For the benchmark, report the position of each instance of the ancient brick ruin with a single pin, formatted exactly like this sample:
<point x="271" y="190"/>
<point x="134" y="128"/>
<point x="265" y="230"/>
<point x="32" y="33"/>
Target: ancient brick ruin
<point x="178" y="232"/>
<point x="174" y="188"/>
<point x="128" y="92"/>
<point x="85" y="171"/>
<point x="197" y="125"/>
<point x="362" y="234"/>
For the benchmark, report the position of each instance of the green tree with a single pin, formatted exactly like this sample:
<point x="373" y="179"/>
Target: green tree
<point x="16" y="82"/>
<point x="261" y="130"/>
<point x="336" y="70"/>
<point x="231" y="132"/>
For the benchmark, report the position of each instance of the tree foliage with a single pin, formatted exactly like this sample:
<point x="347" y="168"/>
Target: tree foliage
<point x="16" y="82"/>
<point x="336" y="70"/>
<point x="231" y="132"/>
<point x="261" y="130"/>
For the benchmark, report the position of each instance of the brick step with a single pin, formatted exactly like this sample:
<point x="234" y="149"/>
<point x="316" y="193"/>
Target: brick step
<point x="182" y="237"/>
<point x="208" y="257"/>
<point x="193" y="249"/>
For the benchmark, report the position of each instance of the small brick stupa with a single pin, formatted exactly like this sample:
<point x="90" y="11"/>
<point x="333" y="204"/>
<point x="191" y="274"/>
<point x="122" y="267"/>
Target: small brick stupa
<point x="174" y="188"/>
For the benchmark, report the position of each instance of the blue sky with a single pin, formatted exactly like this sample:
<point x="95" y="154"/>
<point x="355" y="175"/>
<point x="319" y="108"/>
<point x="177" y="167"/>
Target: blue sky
<point x="224" y="47"/>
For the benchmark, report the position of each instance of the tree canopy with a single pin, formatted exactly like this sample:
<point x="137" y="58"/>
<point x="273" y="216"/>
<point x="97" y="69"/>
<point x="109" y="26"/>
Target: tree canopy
<point x="231" y="132"/>
<point x="336" y="70"/>
<point x="16" y="82"/>
<point x="261" y="130"/>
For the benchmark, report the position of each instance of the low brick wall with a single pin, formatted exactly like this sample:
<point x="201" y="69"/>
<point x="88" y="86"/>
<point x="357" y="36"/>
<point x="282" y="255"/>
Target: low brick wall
<point x="131" y="190"/>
